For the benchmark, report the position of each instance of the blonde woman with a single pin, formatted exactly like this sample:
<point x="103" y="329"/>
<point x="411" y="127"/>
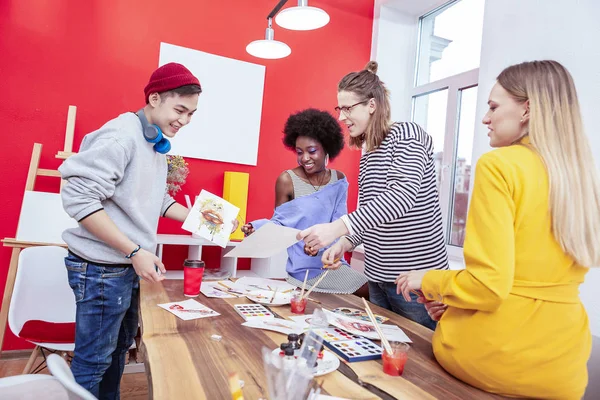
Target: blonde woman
<point x="515" y="324"/>
<point x="399" y="220"/>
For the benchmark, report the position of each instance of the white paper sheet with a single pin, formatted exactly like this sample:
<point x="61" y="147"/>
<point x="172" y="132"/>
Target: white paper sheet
<point x="265" y="242"/>
<point x="302" y="319"/>
<point x="277" y="325"/>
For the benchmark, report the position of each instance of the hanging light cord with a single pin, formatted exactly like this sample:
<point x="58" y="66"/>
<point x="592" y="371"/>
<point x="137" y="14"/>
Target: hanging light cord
<point x="276" y="9"/>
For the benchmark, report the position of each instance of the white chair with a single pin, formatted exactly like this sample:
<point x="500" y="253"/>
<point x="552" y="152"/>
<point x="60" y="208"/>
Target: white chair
<point x="42" y="307"/>
<point x="60" y="370"/>
<point x="32" y="387"/>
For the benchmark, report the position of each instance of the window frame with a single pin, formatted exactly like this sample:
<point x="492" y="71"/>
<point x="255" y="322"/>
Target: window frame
<point x="454" y="85"/>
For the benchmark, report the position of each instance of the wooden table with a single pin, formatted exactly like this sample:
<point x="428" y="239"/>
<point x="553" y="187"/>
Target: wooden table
<point x="183" y="362"/>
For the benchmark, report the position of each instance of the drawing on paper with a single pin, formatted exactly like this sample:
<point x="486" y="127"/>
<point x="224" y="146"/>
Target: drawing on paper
<point x="181" y="308"/>
<point x="359" y="314"/>
<point x="212" y="218"/>
<point x="189" y="309"/>
<point x="209" y="290"/>
<point x="364" y="328"/>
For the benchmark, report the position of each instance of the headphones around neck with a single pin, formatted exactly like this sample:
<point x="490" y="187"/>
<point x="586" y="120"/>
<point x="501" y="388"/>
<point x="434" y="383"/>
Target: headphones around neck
<point x="153" y="134"/>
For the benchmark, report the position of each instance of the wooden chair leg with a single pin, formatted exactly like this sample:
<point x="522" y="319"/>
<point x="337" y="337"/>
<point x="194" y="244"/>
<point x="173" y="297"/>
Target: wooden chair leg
<point x="138" y="340"/>
<point x="8" y="290"/>
<point x="31" y="361"/>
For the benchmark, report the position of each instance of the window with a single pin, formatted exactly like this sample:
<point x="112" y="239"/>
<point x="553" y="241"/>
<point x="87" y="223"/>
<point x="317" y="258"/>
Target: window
<point x="444" y="100"/>
<point x="462" y="166"/>
<point x="450" y="40"/>
<point x="429" y="111"/>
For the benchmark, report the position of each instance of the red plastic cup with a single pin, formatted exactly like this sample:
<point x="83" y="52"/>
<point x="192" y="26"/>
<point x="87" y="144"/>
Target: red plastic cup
<point x="393" y="364"/>
<point x="298" y="304"/>
<point x="193" y="270"/>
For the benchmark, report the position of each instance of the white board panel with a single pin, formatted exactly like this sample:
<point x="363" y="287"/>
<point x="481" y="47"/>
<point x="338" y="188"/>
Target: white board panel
<point x="43" y="218"/>
<point x="227" y="124"/>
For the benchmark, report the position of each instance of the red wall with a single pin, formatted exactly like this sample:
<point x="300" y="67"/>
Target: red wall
<point x="98" y="55"/>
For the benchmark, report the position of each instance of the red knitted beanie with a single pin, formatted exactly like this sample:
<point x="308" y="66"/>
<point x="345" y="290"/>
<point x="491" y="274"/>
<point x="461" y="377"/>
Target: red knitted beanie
<point x="168" y="77"/>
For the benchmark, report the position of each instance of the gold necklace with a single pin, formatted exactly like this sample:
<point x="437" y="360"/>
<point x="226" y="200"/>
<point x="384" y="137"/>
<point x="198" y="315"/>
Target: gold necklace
<point x="321" y="183"/>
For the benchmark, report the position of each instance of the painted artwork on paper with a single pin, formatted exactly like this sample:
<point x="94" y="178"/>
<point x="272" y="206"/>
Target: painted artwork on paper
<point x="189" y="309"/>
<point x="212" y="218"/>
<point x="365" y="329"/>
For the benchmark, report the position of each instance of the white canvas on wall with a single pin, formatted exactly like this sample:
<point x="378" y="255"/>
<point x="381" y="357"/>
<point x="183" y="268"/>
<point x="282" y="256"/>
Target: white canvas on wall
<point x="227" y="123"/>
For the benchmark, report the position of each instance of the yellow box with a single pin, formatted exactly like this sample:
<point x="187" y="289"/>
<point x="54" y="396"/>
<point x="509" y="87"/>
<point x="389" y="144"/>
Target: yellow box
<point x="235" y="191"/>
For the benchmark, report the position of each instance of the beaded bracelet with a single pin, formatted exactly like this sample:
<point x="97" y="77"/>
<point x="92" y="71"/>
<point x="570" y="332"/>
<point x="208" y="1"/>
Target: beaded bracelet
<point x="134" y="252"/>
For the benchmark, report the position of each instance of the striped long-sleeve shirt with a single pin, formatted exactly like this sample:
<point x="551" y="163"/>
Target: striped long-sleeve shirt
<point x="399" y="219"/>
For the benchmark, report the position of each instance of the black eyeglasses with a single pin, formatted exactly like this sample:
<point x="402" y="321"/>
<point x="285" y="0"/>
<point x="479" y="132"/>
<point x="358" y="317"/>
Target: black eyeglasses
<point x="348" y="109"/>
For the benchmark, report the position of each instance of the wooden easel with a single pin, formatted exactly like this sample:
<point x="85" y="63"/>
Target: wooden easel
<point x="18" y="245"/>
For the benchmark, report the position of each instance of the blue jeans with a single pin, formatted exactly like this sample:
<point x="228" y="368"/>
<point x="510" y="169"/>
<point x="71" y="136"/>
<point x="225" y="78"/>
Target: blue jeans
<point x="106" y="323"/>
<point x="384" y="295"/>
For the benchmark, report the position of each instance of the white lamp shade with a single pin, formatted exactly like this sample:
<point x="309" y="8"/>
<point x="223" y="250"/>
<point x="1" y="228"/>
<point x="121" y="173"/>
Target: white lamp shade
<point x="302" y="18"/>
<point x="269" y="49"/>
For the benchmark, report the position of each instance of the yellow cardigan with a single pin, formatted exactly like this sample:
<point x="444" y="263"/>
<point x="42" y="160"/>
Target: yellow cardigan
<point x="515" y="324"/>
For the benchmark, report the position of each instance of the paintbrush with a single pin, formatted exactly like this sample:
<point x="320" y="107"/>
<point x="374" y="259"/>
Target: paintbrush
<point x="384" y="340"/>
<point x="224" y="285"/>
<point x="315" y="285"/>
<point x="328" y="266"/>
<point x="304" y="284"/>
<point x="260" y="287"/>
<point x="274" y="294"/>
<point x="228" y="292"/>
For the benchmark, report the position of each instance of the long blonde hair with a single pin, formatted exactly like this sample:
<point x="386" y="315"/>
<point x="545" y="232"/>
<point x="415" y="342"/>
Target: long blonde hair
<point x="366" y="84"/>
<point x="556" y="133"/>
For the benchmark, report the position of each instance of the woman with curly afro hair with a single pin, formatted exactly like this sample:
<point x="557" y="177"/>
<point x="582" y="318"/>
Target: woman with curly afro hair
<point x="311" y="194"/>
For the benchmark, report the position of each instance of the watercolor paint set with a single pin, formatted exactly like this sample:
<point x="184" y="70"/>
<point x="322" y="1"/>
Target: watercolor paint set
<point x="356" y="350"/>
<point x="334" y="334"/>
<point x="348" y="346"/>
<point x="251" y="312"/>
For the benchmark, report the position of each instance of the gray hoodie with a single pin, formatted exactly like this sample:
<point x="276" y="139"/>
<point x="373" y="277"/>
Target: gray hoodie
<point x="117" y="170"/>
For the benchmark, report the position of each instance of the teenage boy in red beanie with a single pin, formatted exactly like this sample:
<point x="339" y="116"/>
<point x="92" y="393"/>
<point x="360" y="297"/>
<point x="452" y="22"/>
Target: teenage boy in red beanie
<point x="116" y="189"/>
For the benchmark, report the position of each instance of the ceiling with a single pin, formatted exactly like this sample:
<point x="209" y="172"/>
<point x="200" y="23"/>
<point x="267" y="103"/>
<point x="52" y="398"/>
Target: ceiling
<point x="413" y="7"/>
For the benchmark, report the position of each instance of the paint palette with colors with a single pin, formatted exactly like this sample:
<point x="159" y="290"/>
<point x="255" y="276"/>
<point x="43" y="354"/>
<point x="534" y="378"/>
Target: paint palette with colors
<point x="253" y="311"/>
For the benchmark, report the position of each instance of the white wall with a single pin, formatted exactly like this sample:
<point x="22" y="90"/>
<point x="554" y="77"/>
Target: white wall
<point x="393" y="29"/>
<point x="564" y="30"/>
